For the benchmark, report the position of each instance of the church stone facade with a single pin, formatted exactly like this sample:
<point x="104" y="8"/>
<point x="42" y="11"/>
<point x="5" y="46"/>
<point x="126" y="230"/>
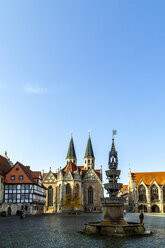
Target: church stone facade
<point x="74" y="188"/>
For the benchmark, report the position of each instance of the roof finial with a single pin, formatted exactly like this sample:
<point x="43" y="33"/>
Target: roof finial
<point x="50" y="168"/>
<point x="114" y="132"/>
<point x="6" y="153"/>
<point x="89" y="132"/>
<point x="71" y="133"/>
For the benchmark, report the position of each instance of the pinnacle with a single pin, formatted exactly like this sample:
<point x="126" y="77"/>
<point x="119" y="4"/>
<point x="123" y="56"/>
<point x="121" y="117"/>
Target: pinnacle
<point x="89" y="150"/>
<point x="71" y="150"/>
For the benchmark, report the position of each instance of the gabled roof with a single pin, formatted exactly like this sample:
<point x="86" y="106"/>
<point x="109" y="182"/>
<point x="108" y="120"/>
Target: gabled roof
<point x="73" y="169"/>
<point x="27" y="171"/>
<point x="148" y="177"/>
<point x="45" y="175"/>
<point x="31" y="176"/>
<point x="81" y="167"/>
<point x="89" y="150"/>
<point x="71" y="150"/>
<point x="125" y="187"/>
<point x="71" y="166"/>
<point x="4" y="166"/>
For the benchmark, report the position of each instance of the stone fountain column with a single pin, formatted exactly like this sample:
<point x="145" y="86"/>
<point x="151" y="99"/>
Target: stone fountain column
<point x="113" y="205"/>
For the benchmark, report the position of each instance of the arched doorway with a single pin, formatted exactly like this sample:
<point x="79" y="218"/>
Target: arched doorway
<point x="9" y="211"/>
<point x="155" y="209"/>
<point x="142" y="208"/>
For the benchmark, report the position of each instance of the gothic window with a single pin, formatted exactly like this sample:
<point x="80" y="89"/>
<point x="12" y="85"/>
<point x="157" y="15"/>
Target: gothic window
<point x="60" y="191"/>
<point x="90" y="195"/>
<point x="50" y="196"/>
<point x="77" y="191"/>
<point x="154" y="193"/>
<point x="164" y="193"/>
<point x="142" y="193"/>
<point x="68" y="189"/>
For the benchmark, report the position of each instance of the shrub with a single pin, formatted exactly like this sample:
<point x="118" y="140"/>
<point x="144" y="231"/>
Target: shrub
<point x="3" y="213"/>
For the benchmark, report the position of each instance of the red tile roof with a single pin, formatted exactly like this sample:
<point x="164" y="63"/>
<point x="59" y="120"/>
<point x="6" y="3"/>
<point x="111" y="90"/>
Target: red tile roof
<point x="29" y="175"/>
<point x="125" y="187"/>
<point x="4" y="166"/>
<point x="148" y="177"/>
<point x="72" y="167"/>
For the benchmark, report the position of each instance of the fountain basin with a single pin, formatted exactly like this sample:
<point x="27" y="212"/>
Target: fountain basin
<point x="105" y="229"/>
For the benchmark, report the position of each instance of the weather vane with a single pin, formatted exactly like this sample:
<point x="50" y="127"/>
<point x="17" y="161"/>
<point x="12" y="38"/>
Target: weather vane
<point x="114" y="132"/>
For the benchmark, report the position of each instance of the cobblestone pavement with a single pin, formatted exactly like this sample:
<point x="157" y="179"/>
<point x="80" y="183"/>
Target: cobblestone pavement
<point x="62" y="231"/>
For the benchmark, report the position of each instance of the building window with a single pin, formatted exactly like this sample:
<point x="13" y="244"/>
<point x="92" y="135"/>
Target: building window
<point x="20" y="177"/>
<point x="85" y="161"/>
<point x="90" y="195"/>
<point x="12" y="177"/>
<point x="164" y="194"/>
<point x="17" y="168"/>
<point x="50" y="196"/>
<point x="142" y="193"/>
<point x="88" y="161"/>
<point x="76" y="191"/>
<point x="68" y="189"/>
<point x="154" y="193"/>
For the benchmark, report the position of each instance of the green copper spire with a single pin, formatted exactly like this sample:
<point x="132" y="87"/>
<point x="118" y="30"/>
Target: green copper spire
<point x="71" y="151"/>
<point x="89" y="150"/>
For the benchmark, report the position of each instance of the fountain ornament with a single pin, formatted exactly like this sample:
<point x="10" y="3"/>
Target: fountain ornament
<point x="114" y="223"/>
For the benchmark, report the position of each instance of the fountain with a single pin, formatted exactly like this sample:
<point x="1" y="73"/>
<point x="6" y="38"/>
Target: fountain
<point x="114" y="223"/>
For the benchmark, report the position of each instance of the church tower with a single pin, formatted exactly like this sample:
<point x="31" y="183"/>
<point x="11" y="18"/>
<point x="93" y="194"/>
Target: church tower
<point x="89" y="159"/>
<point x="71" y="155"/>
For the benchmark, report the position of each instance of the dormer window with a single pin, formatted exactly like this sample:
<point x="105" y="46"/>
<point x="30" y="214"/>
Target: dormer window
<point x="12" y="177"/>
<point x="21" y="177"/>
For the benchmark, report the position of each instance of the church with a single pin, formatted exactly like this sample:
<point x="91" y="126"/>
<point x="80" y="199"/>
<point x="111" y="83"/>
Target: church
<point x="74" y="188"/>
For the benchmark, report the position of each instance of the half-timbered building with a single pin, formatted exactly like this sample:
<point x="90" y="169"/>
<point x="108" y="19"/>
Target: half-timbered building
<point x="23" y="190"/>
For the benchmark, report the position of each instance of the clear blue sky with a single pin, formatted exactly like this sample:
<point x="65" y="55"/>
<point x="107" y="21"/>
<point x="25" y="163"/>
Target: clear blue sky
<point x="78" y="65"/>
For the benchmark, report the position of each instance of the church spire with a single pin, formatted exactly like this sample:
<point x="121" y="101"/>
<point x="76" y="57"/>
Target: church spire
<point x="71" y="155"/>
<point x="89" y="157"/>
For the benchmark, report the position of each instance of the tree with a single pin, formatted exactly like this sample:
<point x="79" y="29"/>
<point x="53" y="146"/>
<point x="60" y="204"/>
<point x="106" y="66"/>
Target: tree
<point x="73" y="201"/>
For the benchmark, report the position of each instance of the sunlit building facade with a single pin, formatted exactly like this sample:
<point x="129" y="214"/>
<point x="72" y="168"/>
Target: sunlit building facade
<point x="74" y="188"/>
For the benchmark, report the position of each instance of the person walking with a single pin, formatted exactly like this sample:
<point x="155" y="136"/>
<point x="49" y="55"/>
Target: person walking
<point x="141" y="217"/>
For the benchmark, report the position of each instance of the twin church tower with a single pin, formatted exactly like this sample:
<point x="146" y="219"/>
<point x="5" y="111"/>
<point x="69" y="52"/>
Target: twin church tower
<point x="89" y="159"/>
<point x="74" y="188"/>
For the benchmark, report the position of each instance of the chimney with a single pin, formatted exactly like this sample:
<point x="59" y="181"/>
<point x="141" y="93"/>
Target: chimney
<point x="28" y="167"/>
